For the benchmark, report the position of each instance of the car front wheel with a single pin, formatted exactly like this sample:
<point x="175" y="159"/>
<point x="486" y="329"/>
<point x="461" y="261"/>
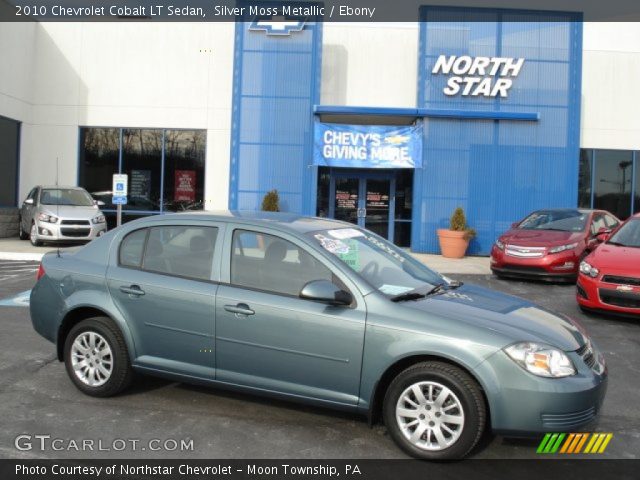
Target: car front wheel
<point x="96" y="358"/>
<point x="435" y="411"/>
<point x="34" y="235"/>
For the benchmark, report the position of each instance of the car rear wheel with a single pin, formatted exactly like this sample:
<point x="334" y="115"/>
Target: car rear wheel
<point x="96" y="358"/>
<point x="34" y="235"/>
<point x="22" y="234"/>
<point x="435" y="411"/>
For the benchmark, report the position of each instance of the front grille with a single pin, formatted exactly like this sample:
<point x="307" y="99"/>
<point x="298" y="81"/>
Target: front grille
<point x="75" y="232"/>
<point x="619" y="299"/>
<point x="75" y="222"/>
<point x="567" y="420"/>
<point x="621" y="280"/>
<point x="524" y="252"/>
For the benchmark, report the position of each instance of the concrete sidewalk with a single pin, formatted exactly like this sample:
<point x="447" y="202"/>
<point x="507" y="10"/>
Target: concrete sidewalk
<point x="15" y="249"/>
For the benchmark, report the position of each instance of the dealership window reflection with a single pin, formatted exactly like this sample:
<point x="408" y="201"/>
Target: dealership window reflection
<point x="165" y="167"/>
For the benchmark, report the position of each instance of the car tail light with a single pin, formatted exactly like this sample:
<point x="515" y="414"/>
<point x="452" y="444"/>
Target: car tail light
<point x="40" y="273"/>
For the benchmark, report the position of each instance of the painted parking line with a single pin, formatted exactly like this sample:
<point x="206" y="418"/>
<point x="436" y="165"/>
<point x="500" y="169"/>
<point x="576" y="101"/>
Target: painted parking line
<point x="19" y="300"/>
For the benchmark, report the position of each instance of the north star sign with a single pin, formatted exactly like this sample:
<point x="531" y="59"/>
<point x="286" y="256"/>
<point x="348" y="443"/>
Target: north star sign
<point x="478" y="76"/>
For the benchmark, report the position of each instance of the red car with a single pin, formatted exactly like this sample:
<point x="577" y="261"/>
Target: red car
<point x="610" y="277"/>
<point x="550" y="244"/>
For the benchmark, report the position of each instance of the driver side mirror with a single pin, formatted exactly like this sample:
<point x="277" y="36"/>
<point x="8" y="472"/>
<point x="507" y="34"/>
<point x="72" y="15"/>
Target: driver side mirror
<point x="326" y="292"/>
<point x="515" y="224"/>
<point x="29" y="201"/>
<point x="99" y="203"/>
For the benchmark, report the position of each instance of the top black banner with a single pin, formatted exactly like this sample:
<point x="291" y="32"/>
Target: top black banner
<point x="324" y="11"/>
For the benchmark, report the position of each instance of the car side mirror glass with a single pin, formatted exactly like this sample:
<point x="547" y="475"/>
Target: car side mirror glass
<point x="99" y="203"/>
<point x="29" y="201"/>
<point x="326" y="292"/>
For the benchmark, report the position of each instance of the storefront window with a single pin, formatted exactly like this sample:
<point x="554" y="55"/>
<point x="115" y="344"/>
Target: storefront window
<point x="612" y="181"/>
<point x="636" y="202"/>
<point x="184" y="170"/>
<point x="154" y="186"/>
<point x="584" y="179"/>
<point x="9" y="131"/>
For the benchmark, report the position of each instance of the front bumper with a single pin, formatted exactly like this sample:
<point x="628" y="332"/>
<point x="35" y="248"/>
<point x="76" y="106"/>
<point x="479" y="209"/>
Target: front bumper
<point x="523" y="404"/>
<point x="76" y="232"/>
<point x="556" y="266"/>
<point x="594" y="294"/>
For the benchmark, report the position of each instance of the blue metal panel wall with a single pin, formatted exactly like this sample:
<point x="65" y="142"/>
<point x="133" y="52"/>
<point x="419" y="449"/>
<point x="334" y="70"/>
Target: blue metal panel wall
<point x="498" y="170"/>
<point x="276" y="81"/>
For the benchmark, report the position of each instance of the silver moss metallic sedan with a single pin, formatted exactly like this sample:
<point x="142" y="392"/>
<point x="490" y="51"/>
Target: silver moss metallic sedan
<point x="316" y="311"/>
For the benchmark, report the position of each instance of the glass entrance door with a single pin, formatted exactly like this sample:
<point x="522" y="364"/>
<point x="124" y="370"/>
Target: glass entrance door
<point x="364" y="200"/>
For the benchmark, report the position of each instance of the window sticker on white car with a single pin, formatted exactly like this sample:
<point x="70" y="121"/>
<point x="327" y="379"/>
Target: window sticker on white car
<point x="394" y="289"/>
<point x="343" y="233"/>
<point x="336" y="247"/>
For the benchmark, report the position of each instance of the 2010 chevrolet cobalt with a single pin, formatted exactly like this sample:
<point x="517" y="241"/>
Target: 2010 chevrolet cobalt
<point x="319" y="311"/>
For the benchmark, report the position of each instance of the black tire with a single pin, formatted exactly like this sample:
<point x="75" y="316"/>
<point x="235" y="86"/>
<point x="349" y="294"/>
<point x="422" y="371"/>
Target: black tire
<point x="462" y="385"/>
<point x="121" y="371"/>
<point x="21" y="233"/>
<point x="34" y="241"/>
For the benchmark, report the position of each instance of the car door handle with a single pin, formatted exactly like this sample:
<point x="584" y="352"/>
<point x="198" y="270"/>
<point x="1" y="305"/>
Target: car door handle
<point x="132" y="290"/>
<point x="239" y="309"/>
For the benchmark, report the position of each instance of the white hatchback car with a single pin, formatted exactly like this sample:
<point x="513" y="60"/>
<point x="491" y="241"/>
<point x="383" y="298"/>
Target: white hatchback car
<point x="60" y="214"/>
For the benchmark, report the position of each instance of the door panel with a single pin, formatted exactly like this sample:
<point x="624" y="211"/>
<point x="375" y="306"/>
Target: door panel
<point x="289" y="345"/>
<point x="172" y="322"/>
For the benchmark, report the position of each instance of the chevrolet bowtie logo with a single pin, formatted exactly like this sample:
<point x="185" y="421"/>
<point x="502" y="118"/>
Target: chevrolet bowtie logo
<point x="277" y="26"/>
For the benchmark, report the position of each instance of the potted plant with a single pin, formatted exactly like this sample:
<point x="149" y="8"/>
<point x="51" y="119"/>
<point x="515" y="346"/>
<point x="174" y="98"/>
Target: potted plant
<point x="271" y="202"/>
<point x="455" y="240"/>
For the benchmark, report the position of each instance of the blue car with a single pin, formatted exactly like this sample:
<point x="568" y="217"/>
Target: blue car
<point x="318" y="311"/>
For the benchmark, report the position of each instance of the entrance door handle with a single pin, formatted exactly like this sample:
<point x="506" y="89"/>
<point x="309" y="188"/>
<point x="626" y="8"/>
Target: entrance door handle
<point x="239" y="309"/>
<point x="132" y="290"/>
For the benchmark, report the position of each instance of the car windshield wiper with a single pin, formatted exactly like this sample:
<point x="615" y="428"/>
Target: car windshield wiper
<point x="413" y="295"/>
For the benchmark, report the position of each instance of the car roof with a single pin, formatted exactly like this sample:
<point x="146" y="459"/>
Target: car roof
<point x="66" y="187"/>
<point x="281" y="220"/>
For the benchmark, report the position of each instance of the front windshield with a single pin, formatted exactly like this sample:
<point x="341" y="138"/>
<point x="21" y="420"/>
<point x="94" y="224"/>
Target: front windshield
<point x="383" y="265"/>
<point x="66" y="196"/>
<point x="561" y="220"/>
<point x="628" y="235"/>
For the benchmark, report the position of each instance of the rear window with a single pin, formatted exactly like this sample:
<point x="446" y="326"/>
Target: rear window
<point x="132" y="247"/>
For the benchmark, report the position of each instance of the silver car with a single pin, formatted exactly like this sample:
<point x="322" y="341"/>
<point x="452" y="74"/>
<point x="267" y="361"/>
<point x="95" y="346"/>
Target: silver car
<point x="60" y="214"/>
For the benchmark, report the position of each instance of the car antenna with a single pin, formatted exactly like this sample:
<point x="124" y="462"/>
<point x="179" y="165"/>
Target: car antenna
<point x="57" y="204"/>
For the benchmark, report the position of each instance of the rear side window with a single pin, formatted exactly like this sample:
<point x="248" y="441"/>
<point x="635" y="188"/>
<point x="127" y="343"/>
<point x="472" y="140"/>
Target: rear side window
<point x="132" y="247"/>
<point x="181" y="250"/>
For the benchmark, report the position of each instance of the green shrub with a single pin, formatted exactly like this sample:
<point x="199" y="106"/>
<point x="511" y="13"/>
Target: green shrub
<point x="458" y="223"/>
<point x="271" y="202"/>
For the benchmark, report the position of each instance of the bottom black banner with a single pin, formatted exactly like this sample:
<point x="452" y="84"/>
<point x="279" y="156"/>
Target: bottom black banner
<point x="542" y="469"/>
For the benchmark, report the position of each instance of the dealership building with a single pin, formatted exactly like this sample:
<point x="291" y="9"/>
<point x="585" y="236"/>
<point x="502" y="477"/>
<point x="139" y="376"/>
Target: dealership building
<point x="391" y="126"/>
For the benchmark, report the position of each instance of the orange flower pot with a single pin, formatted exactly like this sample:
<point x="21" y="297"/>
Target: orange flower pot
<point x="453" y="244"/>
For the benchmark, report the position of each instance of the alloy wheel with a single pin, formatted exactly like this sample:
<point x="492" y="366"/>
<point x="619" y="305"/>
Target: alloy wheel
<point x="430" y="416"/>
<point x="91" y="359"/>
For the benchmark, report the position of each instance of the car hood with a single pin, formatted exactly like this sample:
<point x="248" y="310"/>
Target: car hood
<point x="616" y="259"/>
<point x="71" y="212"/>
<point x="512" y="317"/>
<point x="540" y="238"/>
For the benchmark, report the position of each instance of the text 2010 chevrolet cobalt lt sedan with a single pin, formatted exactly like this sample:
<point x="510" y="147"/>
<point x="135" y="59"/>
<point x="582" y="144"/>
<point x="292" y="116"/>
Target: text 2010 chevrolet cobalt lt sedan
<point x="319" y="311"/>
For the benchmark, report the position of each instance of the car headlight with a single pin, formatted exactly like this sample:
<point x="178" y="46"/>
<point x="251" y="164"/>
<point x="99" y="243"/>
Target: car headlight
<point x="562" y="248"/>
<point x="98" y="219"/>
<point x="587" y="269"/>
<point x="44" y="217"/>
<point x="541" y="360"/>
<point x="499" y="244"/>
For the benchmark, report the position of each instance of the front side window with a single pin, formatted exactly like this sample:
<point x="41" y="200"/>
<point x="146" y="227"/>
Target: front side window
<point x="66" y="196"/>
<point x="184" y="251"/>
<point x="383" y="265"/>
<point x="628" y="235"/>
<point x="560" y="220"/>
<point x="269" y="263"/>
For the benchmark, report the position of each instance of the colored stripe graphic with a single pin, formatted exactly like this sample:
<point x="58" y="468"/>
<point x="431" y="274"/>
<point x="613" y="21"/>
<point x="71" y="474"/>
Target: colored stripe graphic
<point x="573" y="443"/>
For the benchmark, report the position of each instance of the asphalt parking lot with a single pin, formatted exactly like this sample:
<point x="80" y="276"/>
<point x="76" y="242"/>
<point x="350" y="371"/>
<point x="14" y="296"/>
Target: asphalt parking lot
<point x="37" y="398"/>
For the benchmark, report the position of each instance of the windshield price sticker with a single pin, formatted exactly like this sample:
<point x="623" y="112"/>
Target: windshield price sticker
<point x="336" y="247"/>
<point x="344" y="233"/>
